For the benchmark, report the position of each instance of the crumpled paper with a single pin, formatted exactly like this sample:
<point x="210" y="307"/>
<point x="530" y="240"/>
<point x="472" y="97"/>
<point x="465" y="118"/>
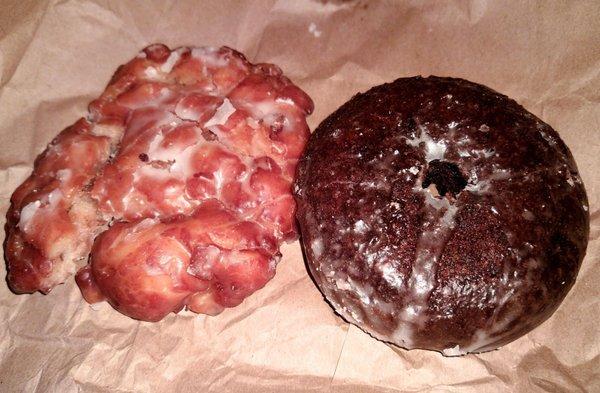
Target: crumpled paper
<point x="55" y="56"/>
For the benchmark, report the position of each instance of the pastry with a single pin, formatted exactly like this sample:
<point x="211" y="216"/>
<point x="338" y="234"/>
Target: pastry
<point x="436" y="213"/>
<point x="173" y="192"/>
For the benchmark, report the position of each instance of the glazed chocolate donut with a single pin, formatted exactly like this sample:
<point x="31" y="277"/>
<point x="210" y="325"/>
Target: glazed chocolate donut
<point x="439" y="214"/>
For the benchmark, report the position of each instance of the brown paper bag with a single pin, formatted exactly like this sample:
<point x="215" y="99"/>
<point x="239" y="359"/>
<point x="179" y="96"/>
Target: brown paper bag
<point x="55" y="56"/>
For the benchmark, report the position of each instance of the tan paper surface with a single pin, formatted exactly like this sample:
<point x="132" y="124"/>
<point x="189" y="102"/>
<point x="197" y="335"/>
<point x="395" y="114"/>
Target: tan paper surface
<point x="55" y="56"/>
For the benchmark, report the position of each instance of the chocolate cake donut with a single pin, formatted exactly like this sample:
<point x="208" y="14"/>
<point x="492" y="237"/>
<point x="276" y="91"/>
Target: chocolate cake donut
<point x="436" y="213"/>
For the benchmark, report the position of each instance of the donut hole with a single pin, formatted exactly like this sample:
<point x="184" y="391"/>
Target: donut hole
<point x="445" y="176"/>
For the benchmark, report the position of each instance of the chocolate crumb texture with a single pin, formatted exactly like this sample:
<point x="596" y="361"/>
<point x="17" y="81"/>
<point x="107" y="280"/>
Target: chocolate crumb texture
<point x="437" y="213"/>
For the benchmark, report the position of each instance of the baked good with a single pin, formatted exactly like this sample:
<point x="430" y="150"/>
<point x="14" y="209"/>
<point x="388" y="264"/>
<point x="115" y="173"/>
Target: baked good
<point x="436" y="213"/>
<point x="177" y="185"/>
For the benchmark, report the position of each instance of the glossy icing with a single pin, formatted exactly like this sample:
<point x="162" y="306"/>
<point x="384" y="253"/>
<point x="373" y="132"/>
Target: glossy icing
<point x="177" y="184"/>
<point x="464" y="265"/>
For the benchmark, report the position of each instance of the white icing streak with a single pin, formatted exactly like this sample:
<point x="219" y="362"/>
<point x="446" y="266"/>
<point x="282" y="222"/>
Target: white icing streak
<point x="317" y="247"/>
<point x="454" y="351"/>
<point x="312" y="29"/>
<point x="221" y="115"/>
<point x="210" y="56"/>
<point x="434" y="150"/>
<point x="391" y="274"/>
<point x="173" y="58"/>
<point x="181" y="159"/>
<point x="485" y="186"/>
<point x="547" y="137"/>
<point x="47" y="205"/>
<point x="360" y="227"/>
<point x="438" y="223"/>
<point x="27" y="214"/>
<point x="151" y="73"/>
<point x="64" y="175"/>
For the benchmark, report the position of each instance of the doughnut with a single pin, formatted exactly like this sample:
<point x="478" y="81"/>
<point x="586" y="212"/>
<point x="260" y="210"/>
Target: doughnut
<point x="436" y="213"/>
<point x="173" y="192"/>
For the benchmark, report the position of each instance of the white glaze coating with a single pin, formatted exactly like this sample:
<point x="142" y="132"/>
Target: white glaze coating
<point x="434" y="150"/>
<point x="377" y="159"/>
<point x="27" y="214"/>
<point x="221" y="115"/>
<point x="173" y="58"/>
<point x="146" y="161"/>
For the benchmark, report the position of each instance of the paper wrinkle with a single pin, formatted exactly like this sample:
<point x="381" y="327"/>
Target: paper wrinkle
<point x="103" y="14"/>
<point x="575" y="87"/>
<point x="560" y="378"/>
<point x="286" y="336"/>
<point x="337" y="363"/>
<point x="477" y="10"/>
<point x="24" y="48"/>
<point x="505" y="380"/>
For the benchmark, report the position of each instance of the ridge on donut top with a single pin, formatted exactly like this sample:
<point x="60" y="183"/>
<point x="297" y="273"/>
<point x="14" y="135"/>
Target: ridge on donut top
<point x="436" y="213"/>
